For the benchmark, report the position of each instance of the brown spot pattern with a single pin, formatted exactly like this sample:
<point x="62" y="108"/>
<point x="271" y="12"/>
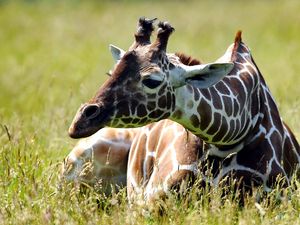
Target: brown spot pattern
<point x="205" y="112"/>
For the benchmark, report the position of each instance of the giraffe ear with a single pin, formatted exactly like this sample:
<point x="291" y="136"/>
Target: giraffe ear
<point x="206" y="75"/>
<point x="117" y="53"/>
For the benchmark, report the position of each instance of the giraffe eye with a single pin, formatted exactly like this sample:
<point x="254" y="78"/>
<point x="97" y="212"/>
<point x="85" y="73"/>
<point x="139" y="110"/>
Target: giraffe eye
<point x="150" y="83"/>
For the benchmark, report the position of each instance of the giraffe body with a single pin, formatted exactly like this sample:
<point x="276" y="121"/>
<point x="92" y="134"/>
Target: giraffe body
<point x="100" y="159"/>
<point x="160" y="157"/>
<point x="227" y="104"/>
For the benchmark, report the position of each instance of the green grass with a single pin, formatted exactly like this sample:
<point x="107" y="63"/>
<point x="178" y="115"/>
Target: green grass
<point x="53" y="57"/>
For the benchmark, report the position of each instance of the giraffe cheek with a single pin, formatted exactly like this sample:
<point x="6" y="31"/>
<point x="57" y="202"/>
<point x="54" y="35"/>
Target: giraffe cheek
<point x="141" y="111"/>
<point x="122" y="109"/>
<point x="151" y="106"/>
<point x="133" y="106"/>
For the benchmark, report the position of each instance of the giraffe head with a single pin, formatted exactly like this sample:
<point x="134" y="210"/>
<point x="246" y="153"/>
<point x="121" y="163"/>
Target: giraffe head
<point x="142" y="85"/>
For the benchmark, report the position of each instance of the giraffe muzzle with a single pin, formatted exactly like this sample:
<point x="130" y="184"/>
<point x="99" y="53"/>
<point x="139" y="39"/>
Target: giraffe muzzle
<point x="88" y="120"/>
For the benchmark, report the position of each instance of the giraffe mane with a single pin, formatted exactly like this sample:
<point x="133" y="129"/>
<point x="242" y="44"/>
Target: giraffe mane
<point x="187" y="60"/>
<point x="238" y="37"/>
<point x="237" y="44"/>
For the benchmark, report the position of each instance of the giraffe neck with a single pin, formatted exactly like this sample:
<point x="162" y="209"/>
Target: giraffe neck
<point x="217" y="117"/>
<point x="227" y="112"/>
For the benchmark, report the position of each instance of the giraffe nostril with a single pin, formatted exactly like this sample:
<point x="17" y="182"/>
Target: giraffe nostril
<point x="91" y="111"/>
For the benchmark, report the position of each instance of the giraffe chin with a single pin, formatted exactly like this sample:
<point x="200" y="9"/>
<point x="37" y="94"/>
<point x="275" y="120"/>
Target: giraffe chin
<point x="82" y="133"/>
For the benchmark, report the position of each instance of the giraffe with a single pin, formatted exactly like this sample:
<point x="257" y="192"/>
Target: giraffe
<point x="227" y="104"/>
<point x="161" y="156"/>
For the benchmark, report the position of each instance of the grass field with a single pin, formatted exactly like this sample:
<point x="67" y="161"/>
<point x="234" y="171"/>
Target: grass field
<point x="53" y="57"/>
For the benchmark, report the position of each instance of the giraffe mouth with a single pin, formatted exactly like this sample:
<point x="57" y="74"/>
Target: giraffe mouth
<point x="82" y="133"/>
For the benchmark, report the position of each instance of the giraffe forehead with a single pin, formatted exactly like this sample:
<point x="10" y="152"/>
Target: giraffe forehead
<point x="128" y="65"/>
<point x="143" y="66"/>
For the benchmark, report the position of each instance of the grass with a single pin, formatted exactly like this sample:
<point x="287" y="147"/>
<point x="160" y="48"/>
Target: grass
<point x="54" y="56"/>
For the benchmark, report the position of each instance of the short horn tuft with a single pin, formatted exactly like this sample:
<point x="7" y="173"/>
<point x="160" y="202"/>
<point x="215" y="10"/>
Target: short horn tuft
<point x="144" y="31"/>
<point x="165" y="27"/>
<point x="163" y="33"/>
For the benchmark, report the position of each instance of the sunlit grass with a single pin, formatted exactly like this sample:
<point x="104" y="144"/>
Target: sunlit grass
<point x="54" y="56"/>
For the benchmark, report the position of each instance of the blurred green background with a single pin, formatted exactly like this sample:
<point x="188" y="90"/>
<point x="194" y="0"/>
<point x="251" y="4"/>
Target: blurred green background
<point x="54" y="56"/>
